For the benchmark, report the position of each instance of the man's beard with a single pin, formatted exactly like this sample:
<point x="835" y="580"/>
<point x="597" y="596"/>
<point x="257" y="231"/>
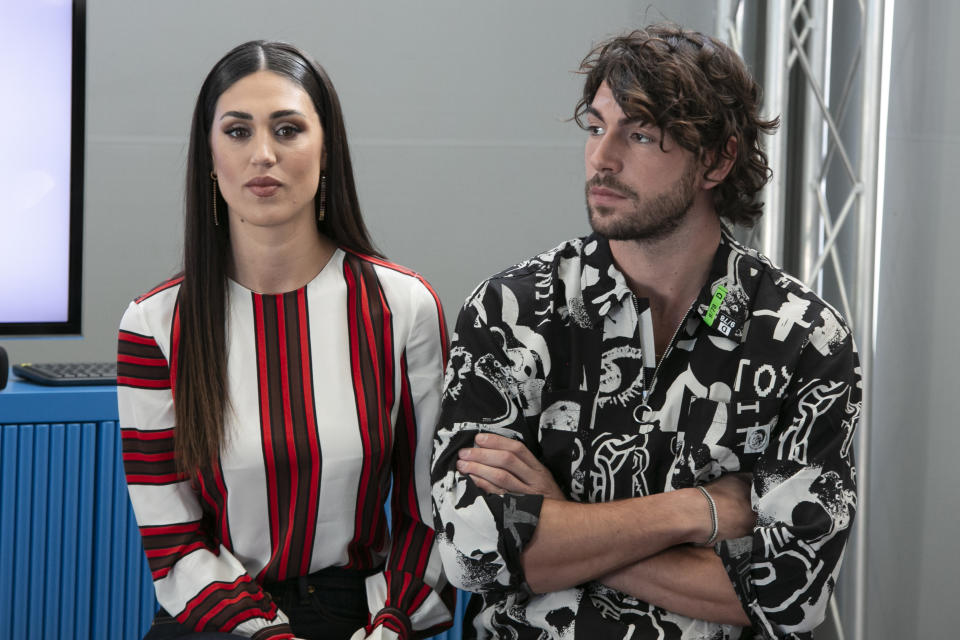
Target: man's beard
<point x="651" y="219"/>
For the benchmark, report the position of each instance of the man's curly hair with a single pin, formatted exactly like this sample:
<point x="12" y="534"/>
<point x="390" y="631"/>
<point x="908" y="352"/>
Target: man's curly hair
<point x="699" y="91"/>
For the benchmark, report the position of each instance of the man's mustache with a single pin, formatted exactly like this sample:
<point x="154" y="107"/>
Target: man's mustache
<point x="610" y="182"/>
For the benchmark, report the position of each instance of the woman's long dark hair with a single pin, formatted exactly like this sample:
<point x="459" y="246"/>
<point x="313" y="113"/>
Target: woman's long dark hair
<point x="200" y="393"/>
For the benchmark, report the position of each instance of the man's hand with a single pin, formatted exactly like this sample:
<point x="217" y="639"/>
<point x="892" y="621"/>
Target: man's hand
<point x="735" y="515"/>
<point x="503" y="465"/>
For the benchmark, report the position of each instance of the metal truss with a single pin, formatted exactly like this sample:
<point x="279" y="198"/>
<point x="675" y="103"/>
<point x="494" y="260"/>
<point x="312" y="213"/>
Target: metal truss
<point x="824" y="68"/>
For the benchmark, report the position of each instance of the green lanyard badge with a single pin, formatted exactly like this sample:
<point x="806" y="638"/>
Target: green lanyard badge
<point x="714" y="309"/>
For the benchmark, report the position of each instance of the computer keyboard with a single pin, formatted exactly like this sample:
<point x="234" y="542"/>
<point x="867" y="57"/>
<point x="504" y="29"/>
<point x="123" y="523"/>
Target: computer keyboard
<point x="68" y="373"/>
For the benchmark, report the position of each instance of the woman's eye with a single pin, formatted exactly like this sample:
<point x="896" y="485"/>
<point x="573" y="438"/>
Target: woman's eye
<point x="237" y="132"/>
<point x="287" y="131"/>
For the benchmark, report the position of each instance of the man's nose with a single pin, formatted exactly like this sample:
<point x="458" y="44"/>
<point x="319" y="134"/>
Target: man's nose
<point x="605" y="155"/>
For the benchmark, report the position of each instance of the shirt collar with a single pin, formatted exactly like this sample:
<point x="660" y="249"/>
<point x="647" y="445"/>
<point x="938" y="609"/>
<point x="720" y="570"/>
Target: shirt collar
<point x="601" y="283"/>
<point x="736" y="269"/>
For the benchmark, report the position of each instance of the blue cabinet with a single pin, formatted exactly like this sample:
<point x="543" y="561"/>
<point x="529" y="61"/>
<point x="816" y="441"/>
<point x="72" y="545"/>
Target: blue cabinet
<point x="71" y="562"/>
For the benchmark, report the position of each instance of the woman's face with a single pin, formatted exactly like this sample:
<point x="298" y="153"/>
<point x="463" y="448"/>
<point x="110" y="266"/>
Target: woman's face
<point x="267" y="146"/>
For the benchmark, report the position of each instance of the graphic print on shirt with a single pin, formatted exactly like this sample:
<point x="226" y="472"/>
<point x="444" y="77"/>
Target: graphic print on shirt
<point x="770" y="387"/>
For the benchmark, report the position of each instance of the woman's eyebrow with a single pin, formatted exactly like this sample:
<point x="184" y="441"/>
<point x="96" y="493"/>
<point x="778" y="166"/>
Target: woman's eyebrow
<point x="283" y="113"/>
<point x="237" y="114"/>
<point x="243" y="115"/>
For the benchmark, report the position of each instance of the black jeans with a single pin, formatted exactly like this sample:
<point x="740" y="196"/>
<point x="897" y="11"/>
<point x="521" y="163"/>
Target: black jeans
<point x="330" y="604"/>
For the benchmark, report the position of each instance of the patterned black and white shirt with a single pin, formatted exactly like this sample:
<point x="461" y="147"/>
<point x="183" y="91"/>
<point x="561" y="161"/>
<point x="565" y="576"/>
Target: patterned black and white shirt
<point x="761" y="377"/>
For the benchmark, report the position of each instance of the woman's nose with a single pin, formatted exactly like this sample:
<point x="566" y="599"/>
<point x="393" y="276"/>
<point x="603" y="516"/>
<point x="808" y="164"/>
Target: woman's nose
<point x="263" y="151"/>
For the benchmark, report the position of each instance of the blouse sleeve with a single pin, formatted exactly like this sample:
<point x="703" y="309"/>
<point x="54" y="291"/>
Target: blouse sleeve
<point x="412" y="598"/>
<point x="196" y="579"/>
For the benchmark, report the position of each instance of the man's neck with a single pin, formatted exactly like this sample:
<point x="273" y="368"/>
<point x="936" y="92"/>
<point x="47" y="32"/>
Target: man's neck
<point x="670" y="271"/>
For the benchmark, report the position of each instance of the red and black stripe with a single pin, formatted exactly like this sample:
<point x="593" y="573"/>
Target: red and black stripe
<point x="371" y="365"/>
<point x="413" y="538"/>
<point x="165" y="545"/>
<point x="175" y="345"/>
<point x="396" y="613"/>
<point x="148" y="457"/>
<point x="224" y="605"/>
<point x="394" y="620"/>
<point x="213" y="491"/>
<point x="160" y="287"/>
<point x="279" y="632"/>
<point x="140" y="362"/>
<point x="291" y="447"/>
<point x="442" y="327"/>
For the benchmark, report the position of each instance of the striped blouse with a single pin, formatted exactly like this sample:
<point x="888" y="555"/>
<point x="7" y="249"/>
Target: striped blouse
<point x="333" y="395"/>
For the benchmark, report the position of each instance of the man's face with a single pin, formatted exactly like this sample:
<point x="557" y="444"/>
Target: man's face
<point x="635" y="190"/>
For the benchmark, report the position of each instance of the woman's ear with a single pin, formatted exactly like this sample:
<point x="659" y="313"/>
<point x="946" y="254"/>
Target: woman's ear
<point x="717" y="174"/>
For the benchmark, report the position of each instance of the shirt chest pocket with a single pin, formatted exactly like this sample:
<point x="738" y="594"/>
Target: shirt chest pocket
<point x="714" y="438"/>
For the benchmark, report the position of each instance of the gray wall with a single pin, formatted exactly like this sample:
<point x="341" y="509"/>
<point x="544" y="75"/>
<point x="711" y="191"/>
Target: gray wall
<point x="914" y="486"/>
<point x="455" y="111"/>
<point x="464" y="162"/>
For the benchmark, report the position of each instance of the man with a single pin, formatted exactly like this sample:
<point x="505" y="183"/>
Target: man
<point x="646" y="432"/>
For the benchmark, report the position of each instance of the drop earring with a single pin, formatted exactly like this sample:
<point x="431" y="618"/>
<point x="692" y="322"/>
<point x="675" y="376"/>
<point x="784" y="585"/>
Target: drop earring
<point x="213" y="190"/>
<point x="322" y="209"/>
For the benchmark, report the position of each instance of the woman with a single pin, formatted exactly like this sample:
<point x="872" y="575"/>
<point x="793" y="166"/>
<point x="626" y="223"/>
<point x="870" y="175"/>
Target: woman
<point x="270" y="394"/>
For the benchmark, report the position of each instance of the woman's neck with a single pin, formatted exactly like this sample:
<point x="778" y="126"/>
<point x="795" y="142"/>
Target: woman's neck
<point x="274" y="260"/>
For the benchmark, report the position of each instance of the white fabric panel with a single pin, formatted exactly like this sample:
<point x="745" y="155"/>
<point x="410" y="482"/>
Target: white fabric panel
<point x="242" y="461"/>
<point x="162" y="504"/>
<point x="337" y="427"/>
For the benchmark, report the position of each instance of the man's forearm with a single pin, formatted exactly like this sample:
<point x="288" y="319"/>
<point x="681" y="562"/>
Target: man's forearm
<point x="575" y="542"/>
<point x="687" y="580"/>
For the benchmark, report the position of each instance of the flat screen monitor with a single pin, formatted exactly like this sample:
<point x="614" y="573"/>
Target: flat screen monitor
<point x="41" y="166"/>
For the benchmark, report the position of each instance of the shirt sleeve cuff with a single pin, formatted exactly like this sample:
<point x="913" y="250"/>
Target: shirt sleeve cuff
<point x="737" y="555"/>
<point x="520" y="515"/>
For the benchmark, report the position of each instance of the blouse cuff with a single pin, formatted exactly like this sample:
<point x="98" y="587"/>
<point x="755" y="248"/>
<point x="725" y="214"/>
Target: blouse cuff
<point x="278" y="632"/>
<point x="393" y="619"/>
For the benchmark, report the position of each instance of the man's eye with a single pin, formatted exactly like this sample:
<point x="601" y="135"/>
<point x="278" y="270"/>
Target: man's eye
<point x="596" y="130"/>
<point x="640" y="137"/>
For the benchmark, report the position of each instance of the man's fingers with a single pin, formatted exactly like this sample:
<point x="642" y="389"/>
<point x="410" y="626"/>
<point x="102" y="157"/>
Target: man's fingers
<point x="489" y="487"/>
<point x="496" y="476"/>
<point x="502" y="443"/>
<point x="501" y="458"/>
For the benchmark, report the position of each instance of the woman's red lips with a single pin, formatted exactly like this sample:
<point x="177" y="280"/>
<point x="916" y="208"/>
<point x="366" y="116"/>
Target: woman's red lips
<point x="263" y="186"/>
<point x="263" y="181"/>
